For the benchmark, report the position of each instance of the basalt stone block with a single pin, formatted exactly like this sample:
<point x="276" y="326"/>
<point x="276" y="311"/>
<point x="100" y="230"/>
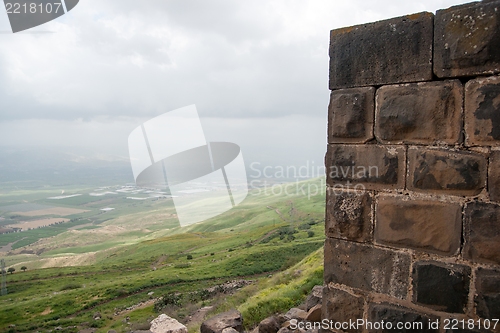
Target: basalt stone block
<point x="431" y="226"/>
<point x="482" y="232"/>
<point x="350" y="115"/>
<point x="349" y="215"/>
<point x="494" y="176"/>
<point x="394" y="315"/>
<point x="363" y="167"/>
<point x="446" y="172"/>
<point x="390" y="51"/>
<point x="466" y="39"/>
<point x="340" y="306"/>
<point x="366" y="267"/>
<point x="487" y="297"/>
<point x="482" y="111"/>
<point x="419" y="113"/>
<point x="441" y="287"/>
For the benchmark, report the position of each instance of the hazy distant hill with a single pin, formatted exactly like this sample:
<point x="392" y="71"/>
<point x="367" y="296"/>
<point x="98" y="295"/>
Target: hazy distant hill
<point x="44" y="166"/>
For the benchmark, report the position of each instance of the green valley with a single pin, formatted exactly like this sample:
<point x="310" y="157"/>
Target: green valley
<point x="116" y="262"/>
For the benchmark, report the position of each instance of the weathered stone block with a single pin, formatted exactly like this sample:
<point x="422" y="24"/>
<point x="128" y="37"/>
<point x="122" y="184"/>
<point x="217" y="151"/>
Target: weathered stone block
<point x="350" y="115"/>
<point x="419" y="113"/>
<point x="446" y="172"/>
<point x="494" y="176"/>
<point x="441" y="287"/>
<point x="340" y="306"/>
<point x="366" y="267"/>
<point x="393" y="315"/>
<point x="349" y="215"/>
<point x="482" y="111"/>
<point x="487" y="297"/>
<point x="482" y="232"/>
<point x="365" y="167"/>
<point x="466" y="39"/>
<point x="432" y="226"/>
<point x="390" y="51"/>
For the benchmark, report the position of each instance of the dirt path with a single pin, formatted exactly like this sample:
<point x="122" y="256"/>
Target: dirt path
<point x="264" y="237"/>
<point x="190" y="250"/>
<point x="8" y="247"/>
<point x="198" y="316"/>
<point x="105" y="301"/>
<point x="137" y="306"/>
<point x="277" y="212"/>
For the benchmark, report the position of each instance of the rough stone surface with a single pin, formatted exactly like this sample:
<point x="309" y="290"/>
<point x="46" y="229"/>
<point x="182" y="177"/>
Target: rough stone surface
<point x="494" y="176"/>
<point x="379" y="53"/>
<point x="482" y="232"/>
<point x="224" y="320"/>
<point x="431" y="226"/>
<point x="482" y="111"/>
<point x="466" y="39"/>
<point x="487" y="297"/>
<point x="396" y="314"/>
<point x="446" y="172"/>
<point x="340" y="306"/>
<point x="366" y="267"/>
<point x="314" y="314"/>
<point x="230" y="330"/>
<point x="314" y="298"/>
<point x="419" y="113"/>
<point x="350" y="115"/>
<point x="365" y="167"/>
<point x="296" y="313"/>
<point x="349" y="215"/>
<point x="285" y="330"/>
<point x="269" y="325"/>
<point x="281" y="319"/>
<point x="440" y="287"/>
<point x="165" y="324"/>
<point x="413" y="170"/>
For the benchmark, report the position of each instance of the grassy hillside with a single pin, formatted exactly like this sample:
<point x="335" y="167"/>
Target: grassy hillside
<point x="119" y="263"/>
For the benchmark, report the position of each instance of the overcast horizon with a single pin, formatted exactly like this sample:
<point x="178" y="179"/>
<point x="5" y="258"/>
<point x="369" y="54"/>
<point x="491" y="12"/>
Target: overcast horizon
<point x="256" y="71"/>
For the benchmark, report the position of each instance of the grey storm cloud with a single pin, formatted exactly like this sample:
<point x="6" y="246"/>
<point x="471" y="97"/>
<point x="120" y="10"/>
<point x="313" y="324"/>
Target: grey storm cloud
<point x="257" y="72"/>
<point x="232" y="58"/>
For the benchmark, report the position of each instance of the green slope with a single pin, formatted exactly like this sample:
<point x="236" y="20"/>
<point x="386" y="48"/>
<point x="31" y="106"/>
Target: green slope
<point x="263" y="234"/>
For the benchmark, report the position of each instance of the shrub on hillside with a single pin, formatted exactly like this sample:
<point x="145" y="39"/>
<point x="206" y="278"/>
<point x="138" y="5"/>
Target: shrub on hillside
<point x="172" y="299"/>
<point x="71" y="286"/>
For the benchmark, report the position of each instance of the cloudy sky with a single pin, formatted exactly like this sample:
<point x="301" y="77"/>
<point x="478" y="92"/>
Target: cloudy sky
<point x="256" y="70"/>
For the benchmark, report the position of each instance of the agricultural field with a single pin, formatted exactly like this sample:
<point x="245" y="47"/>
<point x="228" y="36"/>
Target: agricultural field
<point x="135" y="261"/>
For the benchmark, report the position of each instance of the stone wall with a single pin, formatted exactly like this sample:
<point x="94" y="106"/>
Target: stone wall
<point x="413" y="172"/>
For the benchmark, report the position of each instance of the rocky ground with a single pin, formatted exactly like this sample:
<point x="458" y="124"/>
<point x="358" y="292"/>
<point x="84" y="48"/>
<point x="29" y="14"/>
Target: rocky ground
<point x="297" y="320"/>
